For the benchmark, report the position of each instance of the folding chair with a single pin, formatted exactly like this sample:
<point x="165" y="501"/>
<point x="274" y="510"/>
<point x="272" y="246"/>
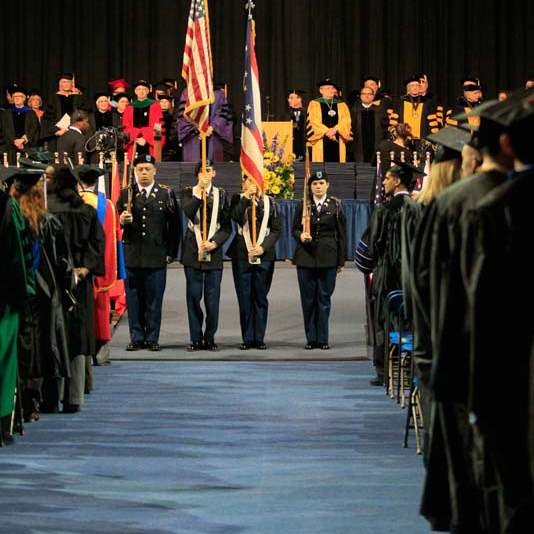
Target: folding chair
<point x="414" y="416"/>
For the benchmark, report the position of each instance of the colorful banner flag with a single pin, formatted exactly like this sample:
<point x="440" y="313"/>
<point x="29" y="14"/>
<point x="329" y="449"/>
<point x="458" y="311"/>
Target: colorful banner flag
<point x="251" y="129"/>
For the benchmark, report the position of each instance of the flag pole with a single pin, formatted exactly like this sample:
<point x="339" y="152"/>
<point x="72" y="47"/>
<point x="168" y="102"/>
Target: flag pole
<point x="204" y="199"/>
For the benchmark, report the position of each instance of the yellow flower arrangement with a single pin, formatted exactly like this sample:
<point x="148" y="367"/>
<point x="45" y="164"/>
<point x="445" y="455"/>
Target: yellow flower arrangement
<point x="278" y="175"/>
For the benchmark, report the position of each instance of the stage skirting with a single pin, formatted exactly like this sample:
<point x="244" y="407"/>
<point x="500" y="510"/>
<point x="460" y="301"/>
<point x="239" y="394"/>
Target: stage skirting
<point x="356" y="213"/>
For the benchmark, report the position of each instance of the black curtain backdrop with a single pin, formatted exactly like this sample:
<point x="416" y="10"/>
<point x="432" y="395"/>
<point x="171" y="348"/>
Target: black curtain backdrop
<point x="298" y="43"/>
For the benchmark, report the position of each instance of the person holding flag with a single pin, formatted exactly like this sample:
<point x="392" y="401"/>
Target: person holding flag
<point x="204" y="205"/>
<point x="258" y="222"/>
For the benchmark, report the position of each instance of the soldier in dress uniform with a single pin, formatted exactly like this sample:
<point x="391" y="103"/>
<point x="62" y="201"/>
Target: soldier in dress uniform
<point x="151" y="237"/>
<point x="253" y="266"/>
<point x="203" y="258"/>
<point x="319" y="256"/>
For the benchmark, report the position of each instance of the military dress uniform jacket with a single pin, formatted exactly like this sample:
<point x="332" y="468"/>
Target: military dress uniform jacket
<point x="328" y="231"/>
<point x="192" y="205"/>
<point x="240" y="209"/>
<point x="154" y="233"/>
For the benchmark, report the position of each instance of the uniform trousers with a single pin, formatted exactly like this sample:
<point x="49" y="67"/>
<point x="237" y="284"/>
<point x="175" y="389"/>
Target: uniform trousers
<point x="316" y="288"/>
<point x="208" y="284"/>
<point x="144" y="295"/>
<point x="252" y="285"/>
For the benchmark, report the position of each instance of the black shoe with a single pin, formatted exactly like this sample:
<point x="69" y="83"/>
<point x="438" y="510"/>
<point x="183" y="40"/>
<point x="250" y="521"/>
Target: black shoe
<point x="309" y="346"/>
<point x="71" y="408"/>
<point x="194" y="347"/>
<point x="261" y="346"/>
<point x="48" y="408"/>
<point x="377" y="381"/>
<point x="245" y="346"/>
<point x="154" y="347"/>
<point x="134" y="345"/>
<point x="211" y="346"/>
<point x="324" y="346"/>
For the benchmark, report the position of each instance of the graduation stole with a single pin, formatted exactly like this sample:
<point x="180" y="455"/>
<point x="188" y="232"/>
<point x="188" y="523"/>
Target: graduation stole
<point x="263" y="228"/>
<point x="214" y="226"/>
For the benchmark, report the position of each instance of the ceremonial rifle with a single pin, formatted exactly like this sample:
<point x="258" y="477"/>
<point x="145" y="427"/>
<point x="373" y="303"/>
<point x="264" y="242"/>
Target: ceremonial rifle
<point x="131" y="176"/>
<point x="305" y="204"/>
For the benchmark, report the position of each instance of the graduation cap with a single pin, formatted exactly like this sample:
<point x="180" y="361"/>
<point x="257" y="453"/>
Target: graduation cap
<point x="412" y="78"/>
<point x="10" y="86"/>
<point x="166" y="96"/>
<point x="88" y="174"/>
<point x="144" y="83"/>
<point x="23" y="179"/>
<point x="65" y="76"/>
<point x="471" y="83"/>
<point x="15" y="88"/>
<point x="328" y="81"/>
<point x="117" y="84"/>
<point x="299" y="92"/>
<point x="118" y="96"/>
<point x="145" y="158"/>
<point x="64" y="178"/>
<point x="373" y="78"/>
<point x="451" y="141"/>
<point x="477" y="111"/>
<point x="405" y="172"/>
<point x="514" y="109"/>
<point x="99" y="94"/>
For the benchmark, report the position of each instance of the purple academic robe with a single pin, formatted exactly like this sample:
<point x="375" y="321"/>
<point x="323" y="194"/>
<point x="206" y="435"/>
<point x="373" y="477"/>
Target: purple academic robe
<point x="221" y="122"/>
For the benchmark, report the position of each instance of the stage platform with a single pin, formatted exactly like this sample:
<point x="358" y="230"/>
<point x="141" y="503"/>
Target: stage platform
<point x="347" y="180"/>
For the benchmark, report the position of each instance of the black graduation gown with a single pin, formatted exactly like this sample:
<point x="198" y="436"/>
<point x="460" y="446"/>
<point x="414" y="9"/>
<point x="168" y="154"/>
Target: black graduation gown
<point x="382" y="239"/>
<point x="30" y="125"/>
<point x="498" y="271"/>
<point x="55" y="286"/>
<point x="85" y="237"/>
<point x="298" y="120"/>
<point x="369" y="126"/>
<point x="441" y="300"/>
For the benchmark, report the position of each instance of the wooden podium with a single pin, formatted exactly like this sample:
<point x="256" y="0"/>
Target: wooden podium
<point x="284" y="132"/>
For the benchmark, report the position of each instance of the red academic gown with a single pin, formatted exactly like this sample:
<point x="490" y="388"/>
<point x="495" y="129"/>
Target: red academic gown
<point x="107" y="215"/>
<point x="155" y="115"/>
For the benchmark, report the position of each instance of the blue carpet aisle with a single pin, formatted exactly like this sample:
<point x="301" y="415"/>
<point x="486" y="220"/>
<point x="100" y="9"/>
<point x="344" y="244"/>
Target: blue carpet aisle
<point x="217" y="447"/>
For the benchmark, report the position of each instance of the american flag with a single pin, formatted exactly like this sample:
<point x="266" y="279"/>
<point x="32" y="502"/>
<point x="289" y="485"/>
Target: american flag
<point x="251" y="129"/>
<point x="379" y="185"/>
<point x="197" y="69"/>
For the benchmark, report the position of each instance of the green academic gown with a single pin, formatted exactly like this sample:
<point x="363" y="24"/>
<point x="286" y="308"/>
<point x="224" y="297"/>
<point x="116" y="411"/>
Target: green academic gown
<point x="16" y="284"/>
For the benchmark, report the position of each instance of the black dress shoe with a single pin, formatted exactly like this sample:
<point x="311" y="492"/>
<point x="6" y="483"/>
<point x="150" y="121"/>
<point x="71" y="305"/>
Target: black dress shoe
<point x="194" y="347"/>
<point x="324" y="346"/>
<point x="134" y="345"/>
<point x="211" y="346"/>
<point x="245" y="346"/>
<point x="309" y="346"/>
<point x="261" y="346"/>
<point x="376" y="381"/>
<point x="49" y="408"/>
<point x="71" y="408"/>
<point x="154" y="347"/>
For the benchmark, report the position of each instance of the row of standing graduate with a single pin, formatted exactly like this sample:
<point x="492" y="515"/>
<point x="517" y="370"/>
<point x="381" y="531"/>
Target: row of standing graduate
<point x="461" y="254"/>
